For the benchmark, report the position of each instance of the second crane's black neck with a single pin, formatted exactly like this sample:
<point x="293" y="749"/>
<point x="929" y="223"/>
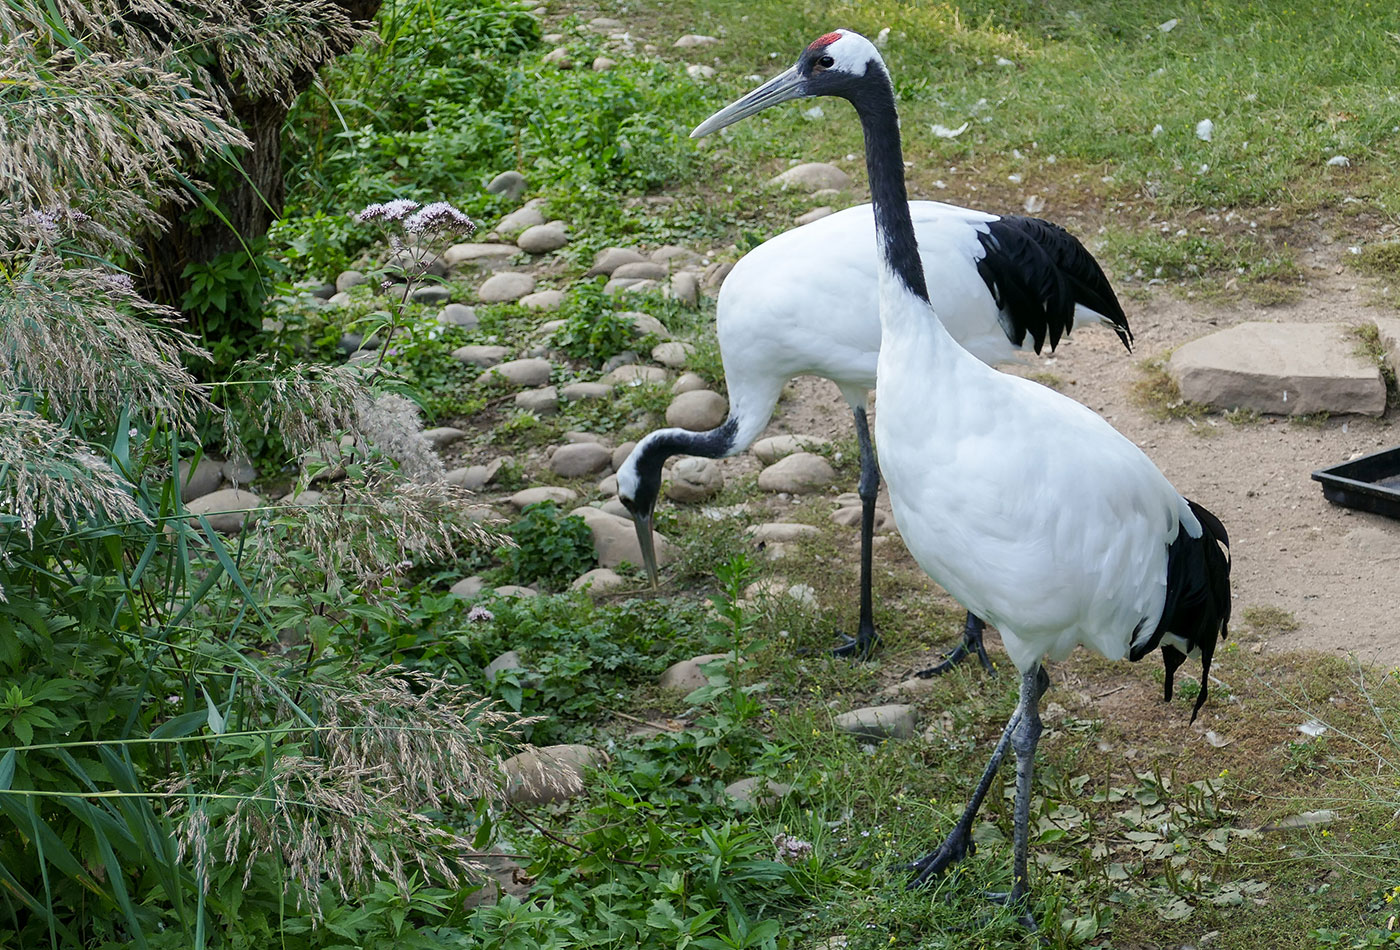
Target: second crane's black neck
<point x="884" y="164"/>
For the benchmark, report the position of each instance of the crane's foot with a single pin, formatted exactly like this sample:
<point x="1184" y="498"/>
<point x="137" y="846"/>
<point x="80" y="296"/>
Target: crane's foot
<point x="971" y="646"/>
<point x="858" y="647"/>
<point x="954" y="848"/>
<point x="1013" y="900"/>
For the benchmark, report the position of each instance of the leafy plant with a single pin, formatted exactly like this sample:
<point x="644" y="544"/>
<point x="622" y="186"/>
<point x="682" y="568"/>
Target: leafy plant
<point x="550" y="549"/>
<point x="593" y="331"/>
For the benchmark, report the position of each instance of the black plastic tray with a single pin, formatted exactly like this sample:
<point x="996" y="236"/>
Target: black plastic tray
<point x="1371" y="483"/>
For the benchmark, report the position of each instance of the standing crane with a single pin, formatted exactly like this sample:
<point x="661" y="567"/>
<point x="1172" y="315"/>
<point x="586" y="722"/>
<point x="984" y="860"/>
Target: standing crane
<point x="807" y="303"/>
<point x="1027" y="507"/>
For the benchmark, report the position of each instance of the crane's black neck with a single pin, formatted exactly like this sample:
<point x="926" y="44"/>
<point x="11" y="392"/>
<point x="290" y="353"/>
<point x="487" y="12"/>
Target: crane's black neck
<point x="884" y="164"/>
<point x="664" y="443"/>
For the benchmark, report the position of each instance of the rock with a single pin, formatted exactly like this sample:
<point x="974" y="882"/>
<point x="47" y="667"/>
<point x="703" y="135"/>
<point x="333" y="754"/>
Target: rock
<point x="576" y="391"/>
<point x="798" y="473"/>
<point x="611" y="258"/>
<point x="580" y="436"/>
<point x="688" y="383"/>
<point x="543" y="300"/>
<point x="200" y="482"/>
<point x="608" y="486"/>
<point x="621" y="452"/>
<point x="713" y="277"/>
<point x="477" y="253"/>
<point x="339" y="300"/>
<point x="911" y="688"/>
<point x="553" y="773"/>
<point x="850" y="517"/>
<point x="699" y="71"/>
<point x="758" y="791"/>
<point x="526" y="372"/>
<point x="625" y="358"/>
<point x="304" y="499"/>
<point x="691" y="40"/>
<point x="640" y="269"/>
<point x="543" y="238"/>
<point x="431" y="294"/>
<point x="602" y="64"/>
<point x="603" y="24"/>
<point x="579" y="459"/>
<point x="615" y="539"/>
<point x="633" y="374"/>
<point x="694" y="479"/>
<point x="542" y="402"/>
<point x="415" y="262"/>
<point x="895" y="721"/>
<point x="530" y="496"/>
<point x="646" y="324"/>
<point x="504" y="877"/>
<point x="474" y="477"/>
<point x="482" y="356"/>
<point x="816" y="214"/>
<point x="697" y="411"/>
<point x="685" y="287"/>
<point x="771" y="449"/>
<point x="511" y="184"/>
<point x="559" y="56"/>
<point x="638" y="285"/>
<point x="467" y="587"/>
<point x="780" y="532"/>
<point x="671" y="353"/>
<point x="226" y="510"/>
<point x="812" y="176"/>
<point x="674" y="255"/>
<point x="686" y="676"/>
<point x="614" y="506"/>
<point x="509" y="660"/>
<point x="504" y="287"/>
<point x="547" y="328"/>
<point x="347" y="279"/>
<point x="239" y="472"/>
<point x="458" y="315"/>
<point x="443" y="436"/>
<point x="1284" y="368"/>
<point x="598" y="581"/>
<point x="515" y="590"/>
<point x="1307" y="819"/>
<point x="527" y="216"/>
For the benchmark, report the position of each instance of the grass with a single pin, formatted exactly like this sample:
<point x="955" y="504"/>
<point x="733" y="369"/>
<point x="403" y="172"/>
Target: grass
<point x="1158" y="393"/>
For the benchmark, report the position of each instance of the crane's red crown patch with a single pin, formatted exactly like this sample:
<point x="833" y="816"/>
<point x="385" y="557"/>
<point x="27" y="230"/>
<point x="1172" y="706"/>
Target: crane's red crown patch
<point x="826" y="40"/>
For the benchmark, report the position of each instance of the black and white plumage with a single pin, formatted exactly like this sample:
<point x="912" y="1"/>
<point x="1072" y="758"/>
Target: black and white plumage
<point x="807" y="303"/>
<point x="1023" y="504"/>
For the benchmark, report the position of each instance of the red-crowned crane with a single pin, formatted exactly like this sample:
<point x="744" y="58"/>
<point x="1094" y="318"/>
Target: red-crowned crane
<point x="807" y="303"/>
<point x="1031" y="510"/>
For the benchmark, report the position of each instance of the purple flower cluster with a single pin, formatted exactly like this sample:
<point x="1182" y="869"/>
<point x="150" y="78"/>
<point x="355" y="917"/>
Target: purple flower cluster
<point x="790" y="849"/>
<point x="434" y="218"/>
<point x="479" y="614"/>
<point x="387" y="211"/>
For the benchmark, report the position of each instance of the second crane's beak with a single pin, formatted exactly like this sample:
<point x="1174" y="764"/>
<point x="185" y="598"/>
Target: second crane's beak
<point x="642" y="522"/>
<point x="781" y="88"/>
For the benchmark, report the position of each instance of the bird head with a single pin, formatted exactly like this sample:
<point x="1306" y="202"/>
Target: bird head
<point x="638" y="485"/>
<point x="835" y="64"/>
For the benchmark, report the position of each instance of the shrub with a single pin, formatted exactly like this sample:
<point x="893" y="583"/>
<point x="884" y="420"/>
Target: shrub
<point x="550" y="549"/>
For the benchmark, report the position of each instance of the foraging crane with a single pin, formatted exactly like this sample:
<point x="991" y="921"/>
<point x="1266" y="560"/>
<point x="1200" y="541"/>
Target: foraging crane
<point x="1027" y="507"/>
<point x="807" y="303"/>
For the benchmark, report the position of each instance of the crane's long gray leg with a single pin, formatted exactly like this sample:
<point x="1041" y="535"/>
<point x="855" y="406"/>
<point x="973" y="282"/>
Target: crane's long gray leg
<point x="863" y="643"/>
<point x="971" y="645"/>
<point x="1024" y="739"/>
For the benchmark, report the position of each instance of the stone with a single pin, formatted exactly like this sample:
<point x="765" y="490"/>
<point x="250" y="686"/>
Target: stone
<point x="431" y="294"/>
<point x="621" y="453"/>
<point x="526" y="372"/>
<point x="646" y="324"/>
<point x="608" y="486"/>
<point x="1283" y="368"/>
<point x="758" y="791"/>
<point x="780" y="532"/>
<point x="713" y="277"/>
<point x="504" y="877"/>
<point x="674" y="255"/>
<point x="633" y="373"/>
<point x="604" y="24"/>
<point x="532" y="496"/>
<point x="697" y="411"/>
<point x="816" y="214"/>
<point x="339" y="300"/>
<point x="615" y="539"/>
<point x="694" y="479"/>
<point x="688" y="383"/>
<point x="1306" y="819"/>
<point x="610" y="259"/>
<point x="598" y="581"/>
<point x="552" y="773"/>
<point x="478" y="253"/>
<point x="527" y="216"/>
<point x="467" y="587"/>
<point x="686" y="676"/>
<point x="774" y="447"/>
<point x="637" y="285"/>
<point x="671" y="353"/>
<point x="516" y="591"/>
<point x="812" y="176"/>
<point x="458" y="315"/>
<point x="625" y="358"/>
<point x="543" y="238"/>
<point x="692" y="40"/>
<point x="581" y="436"/>
<point x="798" y="473"/>
<point x="323" y="291"/>
<point x="482" y="356"/>
<point x="511" y="184"/>
<point x="602" y="64"/>
<point x="614" y="506"/>
<point x="362" y="356"/>
<point x="685" y="287"/>
<point x="304" y="499"/>
<point x="543" y="300"/>
<point x="509" y="660"/>
<point x="443" y="436"/>
<point x="505" y="286"/>
<point x="640" y="269"/>
<point x="577" y="391"/>
<point x="699" y="71"/>
<point x="415" y="262"/>
<point x="474" y="477"/>
<point x="547" y="328"/>
<point x="226" y="509"/>
<point x="202" y="480"/>
<point x="559" y="56"/>
<point x="542" y="402"/>
<point x="347" y="279"/>
<point x="895" y="721"/>
<point x="239" y="472"/>
<point x="579" y="459"/>
<point x="850" y="517"/>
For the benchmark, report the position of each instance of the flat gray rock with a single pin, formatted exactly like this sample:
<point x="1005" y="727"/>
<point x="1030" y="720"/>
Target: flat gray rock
<point x="474" y="477"/>
<point x="812" y="176"/>
<point x="672" y="353"/>
<point x="895" y="721"/>
<point x="529" y="496"/>
<point x="675" y="256"/>
<point x="227" y="509"/>
<point x="692" y="40"/>
<point x="467" y="587"/>
<point x="543" y="300"/>
<point x="580" y="459"/>
<point x="685" y="287"/>
<point x="458" y="315"/>
<point x="543" y="238"/>
<point x="443" y="436"/>
<point x="621" y="452"/>
<point x="615" y="539"/>
<point x="816" y="214"/>
<point x="713" y="277"/>
<point x="576" y="391"/>
<point x="515" y="590"/>
<point x="527" y="372"/>
<point x="604" y="24"/>
<point x="697" y="411"/>
<point x="347" y="279"/>
<point x="694" y="479"/>
<point x="608" y="486"/>
<point x="431" y="294"/>
<point x="780" y="531"/>
<point x="521" y="218"/>
<point x="611" y="258"/>
<point x="549" y="774"/>
<point x="686" y="676"/>
<point x="1283" y="368"/>
<point x="798" y="473"/>
<point x="482" y="356"/>
<point x="640" y="270"/>
<point x="204" y="478"/>
<point x="309" y="497"/>
<point x="511" y="184"/>
<point x="775" y="447"/>
<point x="850" y="517"/>
<point x="598" y="581"/>
<point x="646" y="324"/>
<point x="688" y="383"/>
<point x="542" y="402"/>
<point x="1389" y="329"/>
<point x="479" y="253"/>
<point x="632" y="373"/>
<point x="509" y="660"/>
<point x="505" y="286"/>
<point x="602" y="64"/>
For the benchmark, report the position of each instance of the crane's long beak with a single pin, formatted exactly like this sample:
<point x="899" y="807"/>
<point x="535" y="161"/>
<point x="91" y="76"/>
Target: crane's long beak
<point x="781" y="88"/>
<point x="642" y="522"/>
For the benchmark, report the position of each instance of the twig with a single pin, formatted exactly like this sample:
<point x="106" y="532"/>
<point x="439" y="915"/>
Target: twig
<point x="569" y="844"/>
<point x="1115" y="689"/>
<point x="645" y="722"/>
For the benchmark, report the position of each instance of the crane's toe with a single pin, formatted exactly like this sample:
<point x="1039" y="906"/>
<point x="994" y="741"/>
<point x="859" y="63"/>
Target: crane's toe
<point x="1012" y="899"/>
<point x="971" y="645"/>
<point x="858" y="647"/>
<point x="954" y="848"/>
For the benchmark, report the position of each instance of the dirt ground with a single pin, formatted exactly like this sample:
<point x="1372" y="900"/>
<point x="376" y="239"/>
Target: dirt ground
<point x="1336" y="570"/>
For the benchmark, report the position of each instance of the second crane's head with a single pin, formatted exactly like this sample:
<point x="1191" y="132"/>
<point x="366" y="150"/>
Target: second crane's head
<point x="638" y="485"/>
<point x="842" y="63"/>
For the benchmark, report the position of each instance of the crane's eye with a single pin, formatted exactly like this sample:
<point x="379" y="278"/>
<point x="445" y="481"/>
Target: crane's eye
<point x="826" y="62"/>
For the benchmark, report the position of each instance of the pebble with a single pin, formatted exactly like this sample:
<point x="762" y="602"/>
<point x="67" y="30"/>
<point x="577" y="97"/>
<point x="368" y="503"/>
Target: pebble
<point x="895" y="721"/>
<point x="812" y="176"/>
<point x="700" y="71"/>
<point x="685" y="287"/>
<point x="688" y="383"/>
<point x="671" y="353"/>
<point x="614" y="506"/>
<point x="580" y="436"/>
<point x="646" y="324"/>
<point x="640" y="269"/>
<point x="204" y="479"/>
<point x="339" y="300"/>
<point x="816" y="214"/>
<point x="579" y="459"/>
<point x="611" y="258"/>
<point x="603" y="24"/>
<point x="620" y="453"/>
<point x="798" y="473"/>
<point x="226" y="509"/>
<point x="467" y="587"/>
<point x="516" y="591"/>
<point x="608" y="486"/>
<point x="543" y="238"/>
<point x="542" y="402"/>
<point x="775" y="447"/>
<point x="458" y="315"/>
<point x="598" y="581"/>
<point x="443" y="436"/>
<point x="481" y="355"/>
<point x="694" y="479"/>
<point x="686" y="676"/>
<point x="698" y="411"/>
<point x="615" y="539"/>
<point x="510" y="183"/>
<point x="549" y="774"/>
<point x="527" y="372"/>
<point x="505" y="287"/>
<point x="691" y="40"/>
<point x="633" y="373"/>
<point x="576" y="391"/>
<point x="526" y="216"/>
<point x="675" y="255"/>
<point x="851" y="518"/>
<point x="475" y="253"/>
<point x="347" y="279"/>
<point x="780" y="531"/>
<point x="530" y="496"/>
<point x="758" y="791"/>
<point x="602" y="64"/>
<point x="559" y="56"/>
<point x="474" y="477"/>
<point x="545" y="300"/>
<point x="431" y="294"/>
